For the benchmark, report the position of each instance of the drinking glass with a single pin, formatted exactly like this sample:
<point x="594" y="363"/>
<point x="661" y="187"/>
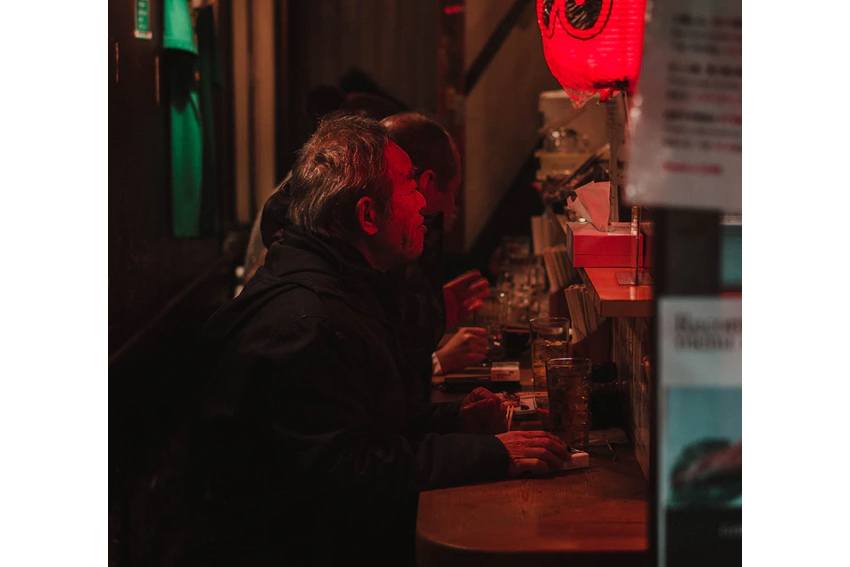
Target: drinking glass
<point x="568" y="381"/>
<point x="549" y="339"/>
<point x="490" y="317"/>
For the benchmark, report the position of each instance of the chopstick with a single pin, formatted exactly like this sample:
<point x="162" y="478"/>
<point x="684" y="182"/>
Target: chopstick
<point x="509" y="416"/>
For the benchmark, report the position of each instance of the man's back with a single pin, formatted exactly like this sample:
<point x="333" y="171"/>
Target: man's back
<point x="306" y="371"/>
<point x="309" y="376"/>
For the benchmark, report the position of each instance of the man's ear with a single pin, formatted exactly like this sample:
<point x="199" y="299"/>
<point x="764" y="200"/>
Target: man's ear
<point x="427" y="183"/>
<point x="367" y="215"/>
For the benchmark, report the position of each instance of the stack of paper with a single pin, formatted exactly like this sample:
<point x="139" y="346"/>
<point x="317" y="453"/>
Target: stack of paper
<point x="584" y="311"/>
<point x="537" y="223"/>
<point x="558" y="268"/>
<point x="547" y="230"/>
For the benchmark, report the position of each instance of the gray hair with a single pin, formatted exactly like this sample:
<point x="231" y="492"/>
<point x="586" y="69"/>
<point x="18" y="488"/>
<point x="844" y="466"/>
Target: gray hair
<point x="340" y="163"/>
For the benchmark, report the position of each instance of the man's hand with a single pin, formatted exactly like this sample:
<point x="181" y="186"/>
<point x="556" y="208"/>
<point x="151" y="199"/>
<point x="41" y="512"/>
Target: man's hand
<point x="535" y="452"/>
<point x="463" y="295"/>
<point x="466" y="347"/>
<point x="482" y="411"/>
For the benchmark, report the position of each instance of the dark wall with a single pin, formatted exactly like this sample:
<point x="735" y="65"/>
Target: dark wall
<point x="147" y="266"/>
<point x="161" y="289"/>
<point x="393" y="42"/>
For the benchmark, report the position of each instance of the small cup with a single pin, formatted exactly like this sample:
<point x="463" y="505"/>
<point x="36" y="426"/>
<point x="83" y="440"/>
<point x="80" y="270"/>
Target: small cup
<point x="568" y="381"/>
<point x="515" y="340"/>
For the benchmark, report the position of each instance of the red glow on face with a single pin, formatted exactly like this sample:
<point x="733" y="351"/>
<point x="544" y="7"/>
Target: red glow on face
<point x="453" y="9"/>
<point x="592" y="46"/>
<point x="402" y="234"/>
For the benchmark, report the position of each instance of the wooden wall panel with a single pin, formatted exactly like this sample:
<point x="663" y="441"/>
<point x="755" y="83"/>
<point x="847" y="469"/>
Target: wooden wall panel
<point x="265" y="111"/>
<point x="482" y="17"/>
<point x="241" y="64"/>
<point x="502" y="119"/>
<point x="391" y="41"/>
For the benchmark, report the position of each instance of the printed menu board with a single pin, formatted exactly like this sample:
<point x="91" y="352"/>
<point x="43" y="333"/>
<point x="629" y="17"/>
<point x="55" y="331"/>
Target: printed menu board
<point x="685" y="118"/>
<point x="699" y="431"/>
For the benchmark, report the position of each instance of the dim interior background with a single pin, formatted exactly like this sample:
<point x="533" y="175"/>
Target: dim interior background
<point x="57" y="394"/>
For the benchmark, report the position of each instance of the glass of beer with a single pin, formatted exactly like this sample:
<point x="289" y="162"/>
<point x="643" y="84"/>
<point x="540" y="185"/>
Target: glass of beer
<point x="568" y="380"/>
<point x="549" y="339"/>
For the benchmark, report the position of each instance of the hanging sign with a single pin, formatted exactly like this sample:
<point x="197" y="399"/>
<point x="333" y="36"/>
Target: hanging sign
<point x="686" y="115"/>
<point x="143" y="20"/>
<point x="699" y="431"/>
<point x="592" y="46"/>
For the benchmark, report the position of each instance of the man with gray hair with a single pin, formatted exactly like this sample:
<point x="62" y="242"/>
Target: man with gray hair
<point x="312" y="454"/>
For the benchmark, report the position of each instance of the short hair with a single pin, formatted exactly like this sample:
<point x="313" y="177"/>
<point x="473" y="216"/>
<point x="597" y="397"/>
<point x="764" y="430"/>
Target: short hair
<point x="340" y="163"/>
<point x="427" y="143"/>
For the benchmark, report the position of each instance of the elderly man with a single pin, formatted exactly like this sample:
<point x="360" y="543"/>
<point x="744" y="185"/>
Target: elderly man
<point x="313" y="454"/>
<point x="430" y="306"/>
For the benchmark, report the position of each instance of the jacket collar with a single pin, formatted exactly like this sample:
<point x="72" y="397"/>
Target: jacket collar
<point x="327" y="266"/>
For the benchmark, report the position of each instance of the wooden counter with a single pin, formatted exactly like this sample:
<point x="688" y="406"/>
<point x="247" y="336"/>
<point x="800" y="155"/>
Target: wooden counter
<point x="617" y="300"/>
<point x="592" y="517"/>
<point x="596" y="516"/>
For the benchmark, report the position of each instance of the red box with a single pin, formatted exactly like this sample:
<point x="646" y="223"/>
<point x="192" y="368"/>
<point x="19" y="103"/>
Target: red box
<point x="588" y="247"/>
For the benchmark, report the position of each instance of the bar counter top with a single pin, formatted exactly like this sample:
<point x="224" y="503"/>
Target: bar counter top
<point x="595" y="516"/>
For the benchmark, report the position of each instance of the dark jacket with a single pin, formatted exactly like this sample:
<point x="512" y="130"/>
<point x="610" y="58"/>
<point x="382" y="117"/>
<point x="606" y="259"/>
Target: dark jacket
<point x="419" y="295"/>
<point x="316" y="447"/>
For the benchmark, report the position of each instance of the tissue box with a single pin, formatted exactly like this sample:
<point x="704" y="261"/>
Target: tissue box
<point x="591" y="248"/>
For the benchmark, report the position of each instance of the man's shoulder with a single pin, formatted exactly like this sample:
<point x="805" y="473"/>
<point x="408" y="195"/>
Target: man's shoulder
<point x="297" y="303"/>
<point x="289" y="321"/>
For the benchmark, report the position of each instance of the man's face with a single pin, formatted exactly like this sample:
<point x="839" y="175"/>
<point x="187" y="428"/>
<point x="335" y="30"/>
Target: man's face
<point x="443" y="199"/>
<point x="402" y="232"/>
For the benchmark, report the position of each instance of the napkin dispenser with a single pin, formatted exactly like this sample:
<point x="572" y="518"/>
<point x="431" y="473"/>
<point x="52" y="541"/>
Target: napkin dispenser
<point x="588" y="247"/>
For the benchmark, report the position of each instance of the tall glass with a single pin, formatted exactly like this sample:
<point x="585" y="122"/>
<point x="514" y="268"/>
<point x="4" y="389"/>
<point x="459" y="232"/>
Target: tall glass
<point x="490" y="316"/>
<point x="569" y="393"/>
<point x="549" y="339"/>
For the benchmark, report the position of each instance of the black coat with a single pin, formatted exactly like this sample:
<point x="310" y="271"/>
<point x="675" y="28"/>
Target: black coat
<point x="315" y="446"/>
<point x="418" y="289"/>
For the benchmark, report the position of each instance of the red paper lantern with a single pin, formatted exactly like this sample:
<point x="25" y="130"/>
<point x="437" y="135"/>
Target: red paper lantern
<point x="592" y="46"/>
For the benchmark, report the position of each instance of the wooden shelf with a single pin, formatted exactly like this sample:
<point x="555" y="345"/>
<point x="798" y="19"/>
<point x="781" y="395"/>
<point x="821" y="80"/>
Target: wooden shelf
<point x="617" y="300"/>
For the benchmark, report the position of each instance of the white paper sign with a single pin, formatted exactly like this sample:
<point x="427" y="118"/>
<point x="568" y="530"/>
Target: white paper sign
<point x="700" y="341"/>
<point x="686" y="116"/>
<point x="699" y="431"/>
